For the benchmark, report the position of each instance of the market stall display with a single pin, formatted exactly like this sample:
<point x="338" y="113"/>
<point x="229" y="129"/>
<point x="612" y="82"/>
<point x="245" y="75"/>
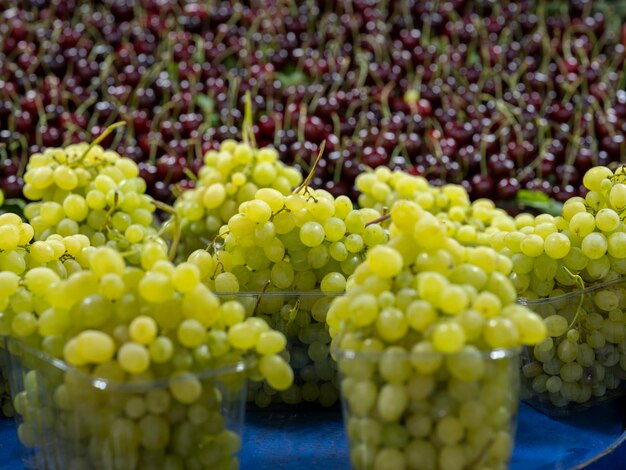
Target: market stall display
<point x="309" y="206"/>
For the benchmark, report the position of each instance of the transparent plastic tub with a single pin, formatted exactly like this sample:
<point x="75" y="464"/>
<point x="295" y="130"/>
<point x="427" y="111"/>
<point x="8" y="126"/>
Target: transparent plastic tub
<point x="301" y="316"/>
<point x="69" y="420"/>
<point x="586" y="364"/>
<point x="443" y="411"/>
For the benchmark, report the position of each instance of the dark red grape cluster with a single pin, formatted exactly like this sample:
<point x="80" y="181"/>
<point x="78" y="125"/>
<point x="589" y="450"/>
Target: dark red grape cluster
<point x="496" y="96"/>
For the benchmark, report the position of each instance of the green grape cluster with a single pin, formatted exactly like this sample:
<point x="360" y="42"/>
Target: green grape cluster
<point x="426" y="338"/>
<point x="18" y="254"/>
<point x="85" y="423"/>
<point x="86" y="189"/>
<point x="573" y="262"/>
<point x="583" y="359"/>
<point x="468" y="222"/>
<point x="6" y="406"/>
<point x="229" y="177"/>
<point x="296" y="252"/>
<point x="153" y="332"/>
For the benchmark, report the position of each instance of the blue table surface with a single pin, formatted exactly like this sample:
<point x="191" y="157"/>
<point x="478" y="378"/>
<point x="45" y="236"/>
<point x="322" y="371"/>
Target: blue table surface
<point x="315" y="439"/>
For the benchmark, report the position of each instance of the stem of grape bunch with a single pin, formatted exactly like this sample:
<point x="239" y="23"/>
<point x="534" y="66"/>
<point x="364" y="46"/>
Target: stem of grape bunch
<point x="307" y="180"/>
<point x="100" y="138"/>
<point x="579" y="281"/>
<point x="177" y="225"/>
<point x="378" y="220"/>
<point x="246" y="128"/>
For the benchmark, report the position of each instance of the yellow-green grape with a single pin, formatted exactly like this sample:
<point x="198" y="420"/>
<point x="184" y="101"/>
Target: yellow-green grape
<point x="133" y="358"/>
<point x="385" y="261"/>
<point x="191" y="333"/>
<point x="185" y="388"/>
<point x="143" y="330"/>
<point x="95" y="346"/>
<point x="271" y="342"/>
<point x="277" y="372"/>
<point x="448" y="337"/>
<point x="161" y="349"/>
<point x="156" y="287"/>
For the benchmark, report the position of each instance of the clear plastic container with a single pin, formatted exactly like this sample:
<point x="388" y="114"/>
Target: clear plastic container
<point x="584" y="362"/>
<point x="301" y="316"/>
<point x="70" y="420"/>
<point x="444" y="411"/>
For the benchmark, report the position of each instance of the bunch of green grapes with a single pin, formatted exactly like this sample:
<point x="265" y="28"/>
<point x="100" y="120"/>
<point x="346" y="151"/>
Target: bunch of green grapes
<point x="573" y="262"/>
<point x="583" y="360"/>
<point x="155" y="333"/>
<point x="467" y="222"/>
<point x="155" y="324"/>
<point x="18" y="254"/>
<point x="86" y="189"/>
<point x="292" y="254"/>
<point x="229" y="177"/>
<point x="6" y="407"/>
<point x="426" y="338"/>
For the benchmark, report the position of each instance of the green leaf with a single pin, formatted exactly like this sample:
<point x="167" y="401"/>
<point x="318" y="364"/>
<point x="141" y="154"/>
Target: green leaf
<point x="207" y="106"/>
<point x="295" y="77"/>
<point x="538" y="200"/>
<point x="205" y="103"/>
<point x="15" y="206"/>
<point x="198" y="55"/>
<point x="473" y="57"/>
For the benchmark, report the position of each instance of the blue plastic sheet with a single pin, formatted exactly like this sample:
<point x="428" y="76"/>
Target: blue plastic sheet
<point x="314" y="440"/>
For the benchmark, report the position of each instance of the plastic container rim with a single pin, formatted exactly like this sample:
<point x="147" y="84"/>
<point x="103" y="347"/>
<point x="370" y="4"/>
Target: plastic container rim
<point x="492" y="354"/>
<point x="570" y="295"/>
<point x="279" y="293"/>
<point x="108" y="385"/>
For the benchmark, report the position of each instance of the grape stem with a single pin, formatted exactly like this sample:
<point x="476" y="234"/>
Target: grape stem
<point x="579" y="281"/>
<point x="246" y="131"/>
<point x="190" y="174"/>
<point x="293" y="313"/>
<point x="100" y="138"/>
<point x="211" y="248"/>
<point x="309" y="177"/>
<point x="176" y="217"/>
<point x="65" y="256"/>
<point x="107" y="219"/>
<point x="258" y="299"/>
<point x="378" y="220"/>
<point x="219" y="265"/>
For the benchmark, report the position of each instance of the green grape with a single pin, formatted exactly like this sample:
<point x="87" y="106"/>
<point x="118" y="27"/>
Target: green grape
<point x="312" y="234"/>
<point x="593" y="178"/>
<point x="617" y="196"/>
